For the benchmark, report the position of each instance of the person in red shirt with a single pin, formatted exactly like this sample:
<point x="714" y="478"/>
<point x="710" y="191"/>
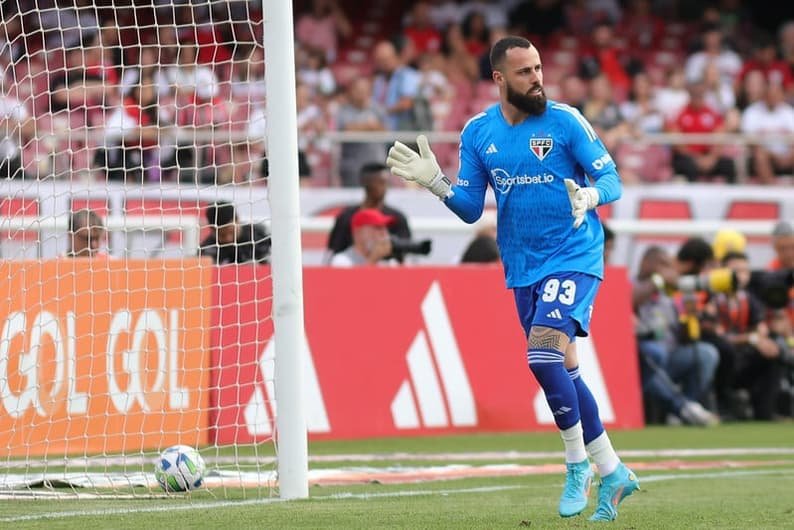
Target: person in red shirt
<point x="766" y="61"/>
<point x="424" y="37"/>
<point x="696" y="160"/>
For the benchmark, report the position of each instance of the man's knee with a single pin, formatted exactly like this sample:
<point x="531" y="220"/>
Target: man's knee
<point x="545" y="338"/>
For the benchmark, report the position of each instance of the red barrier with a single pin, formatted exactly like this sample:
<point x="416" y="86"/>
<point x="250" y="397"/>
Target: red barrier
<point x="407" y="351"/>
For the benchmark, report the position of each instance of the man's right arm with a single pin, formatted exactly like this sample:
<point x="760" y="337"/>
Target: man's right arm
<point x="468" y="194"/>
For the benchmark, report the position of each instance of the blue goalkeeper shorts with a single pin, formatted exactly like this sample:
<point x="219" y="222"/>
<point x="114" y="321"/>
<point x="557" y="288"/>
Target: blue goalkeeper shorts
<point x="560" y="301"/>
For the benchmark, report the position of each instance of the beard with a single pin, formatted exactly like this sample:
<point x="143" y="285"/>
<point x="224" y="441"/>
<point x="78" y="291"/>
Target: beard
<point x="532" y="105"/>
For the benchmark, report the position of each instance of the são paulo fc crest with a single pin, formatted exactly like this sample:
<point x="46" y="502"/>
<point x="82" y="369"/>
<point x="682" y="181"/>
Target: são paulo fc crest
<point x="541" y="147"/>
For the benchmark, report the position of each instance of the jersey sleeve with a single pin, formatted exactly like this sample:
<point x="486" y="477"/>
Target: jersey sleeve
<point x="590" y="152"/>
<point x="468" y="194"/>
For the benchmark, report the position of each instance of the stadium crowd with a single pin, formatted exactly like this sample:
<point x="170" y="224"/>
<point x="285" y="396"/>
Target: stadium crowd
<point x="174" y="90"/>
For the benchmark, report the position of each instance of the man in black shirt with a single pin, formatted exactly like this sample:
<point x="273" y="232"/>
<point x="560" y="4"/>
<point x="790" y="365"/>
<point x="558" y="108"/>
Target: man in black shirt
<point x="374" y="180"/>
<point x="232" y="242"/>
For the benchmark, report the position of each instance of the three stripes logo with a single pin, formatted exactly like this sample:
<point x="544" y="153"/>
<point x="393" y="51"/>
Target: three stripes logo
<point x="491" y="150"/>
<point x="260" y="411"/>
<point x="555" y="314"/>
<point x="437" y="392"/>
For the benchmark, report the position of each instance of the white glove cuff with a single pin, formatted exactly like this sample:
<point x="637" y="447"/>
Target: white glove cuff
<point x="440" y="186"/>
<point x="592" y="197"/>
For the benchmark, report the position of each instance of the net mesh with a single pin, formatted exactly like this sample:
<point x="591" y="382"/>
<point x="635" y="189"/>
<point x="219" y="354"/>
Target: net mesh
<point x="132" y="161"/>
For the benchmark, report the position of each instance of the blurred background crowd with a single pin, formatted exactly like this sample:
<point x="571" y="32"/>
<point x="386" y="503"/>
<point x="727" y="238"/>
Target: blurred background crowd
<point x="170" y="90"/>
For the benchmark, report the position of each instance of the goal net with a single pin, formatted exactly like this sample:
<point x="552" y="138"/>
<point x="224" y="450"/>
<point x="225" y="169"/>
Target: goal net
<point x="133" y="178"/>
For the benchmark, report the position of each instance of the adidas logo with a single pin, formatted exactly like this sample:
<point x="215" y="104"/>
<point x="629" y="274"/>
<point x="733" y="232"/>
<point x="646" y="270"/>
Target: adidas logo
<point x="437" y="392"/>
<point x="491" y="150"/>
<point x="554" y="314"/>
<point x="260" y="412"/>
<point x="562" y="411"/>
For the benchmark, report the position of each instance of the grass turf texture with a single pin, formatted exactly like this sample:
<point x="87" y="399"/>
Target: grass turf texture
<point x="720" y="498"/>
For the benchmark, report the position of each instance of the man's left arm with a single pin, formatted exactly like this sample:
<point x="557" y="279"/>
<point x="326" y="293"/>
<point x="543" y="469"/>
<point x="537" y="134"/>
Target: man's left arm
<point x="590" y="153"/>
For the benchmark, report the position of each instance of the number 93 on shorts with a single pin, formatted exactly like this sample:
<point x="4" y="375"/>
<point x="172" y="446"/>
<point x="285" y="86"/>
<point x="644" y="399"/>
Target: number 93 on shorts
<point x="561" y="301"/>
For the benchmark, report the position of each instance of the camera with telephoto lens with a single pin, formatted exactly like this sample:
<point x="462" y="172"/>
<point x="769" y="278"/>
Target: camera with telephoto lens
<point x="715" y="281"/>
<point x="773" y="288"/>
<point x="407" y="246"/>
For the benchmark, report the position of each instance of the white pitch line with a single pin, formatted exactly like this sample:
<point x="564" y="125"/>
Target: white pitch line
<point x="84" y="462"/>
<point x="357" y="496"/>
<point x="225" y="504"/>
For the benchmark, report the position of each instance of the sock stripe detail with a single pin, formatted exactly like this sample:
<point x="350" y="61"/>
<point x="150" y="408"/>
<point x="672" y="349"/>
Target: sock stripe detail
<point x="545" y="356"/>
<point x="574" y="374"/>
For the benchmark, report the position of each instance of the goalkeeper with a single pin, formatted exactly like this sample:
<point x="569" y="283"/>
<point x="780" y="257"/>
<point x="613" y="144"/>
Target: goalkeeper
<point x="535" y="154"/>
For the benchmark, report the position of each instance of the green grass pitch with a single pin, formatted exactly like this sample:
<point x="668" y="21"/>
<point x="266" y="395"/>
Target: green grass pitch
<point x="728" y="494"/>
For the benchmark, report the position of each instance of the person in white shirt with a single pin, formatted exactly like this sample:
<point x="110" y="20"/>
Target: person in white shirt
<point x="15" y="129"/>
<point x="728" y="62"/>
<point x="773" y="118"/>
<point x="371" y="242"/>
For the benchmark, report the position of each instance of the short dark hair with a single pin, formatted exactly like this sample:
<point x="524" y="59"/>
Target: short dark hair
<point x="221" y="213"/>
<point x="369" y="169"/>
<point x="697" y="250"/>
<point x="499" y="50"/>
<point x="84" y="218"/>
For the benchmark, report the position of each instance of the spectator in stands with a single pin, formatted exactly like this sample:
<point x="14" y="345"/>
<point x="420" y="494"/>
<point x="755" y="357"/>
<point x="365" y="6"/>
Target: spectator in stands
<point x="738" y="318"/>
<point x="720" y="96"/>
<point x="424" y="36"/>
<point x="65" y="26"/>
<point x="666" y="352"/>
<point x="765" y="60"/>
<point x="604" y="57"/>
<point x="573" y="91"/>
<point x="371" y="242"/>
<point x="643" y="28"/>
<point x="315" y="73"/>
<point x="195" y="83"/>
<point x="728" y="62"/>
<point x="695" y="256"/>
<point x="476" y="35"/>
<point x="375" y="182"/>
<point x="395" y="89"/>
<point x="674" y="96"/>
<point x="604" y="114"/>
<point x="694" y="161"/>
<point x="531" y="17"/>
<point x="16" y="129"/>
<point x="783" y="244"/>
<point x="769" y="120"/>
<point x="86" y="235"/>
<point x="359" y="114"/>
<point x="752" y="90"/>
<point x="483" y="247"/>
<point x="232" y="242"/>
<point x="640" y="111"/>
<point x="133" y="130"/>
<point x="78" y="86"/>
<point x="786" y="45"/>
<point x="248" y="75"/>
<point x="312" y="122"/>
<point x="145" y="63"/>
<point x="462" y="65"/>
<point x="322" y="27"/>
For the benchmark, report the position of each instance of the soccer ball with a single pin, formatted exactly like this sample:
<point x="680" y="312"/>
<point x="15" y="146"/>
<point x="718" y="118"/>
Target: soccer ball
<point x="179" y="468"/>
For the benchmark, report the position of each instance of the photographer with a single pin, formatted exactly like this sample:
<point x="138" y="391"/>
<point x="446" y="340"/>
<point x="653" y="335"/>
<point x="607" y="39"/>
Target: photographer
<point x="669" y="355"/>
<point x="371" y="242"/>
<point x="737" y="317"/>
<point x="375" y="180"/>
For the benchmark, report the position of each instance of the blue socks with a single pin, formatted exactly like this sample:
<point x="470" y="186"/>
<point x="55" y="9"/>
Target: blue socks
<point x="588" y="408"/>
<point x="561" y="393"/>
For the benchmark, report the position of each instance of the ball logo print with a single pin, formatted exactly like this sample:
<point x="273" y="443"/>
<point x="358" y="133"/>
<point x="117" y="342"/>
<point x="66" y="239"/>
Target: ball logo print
<point x="180" y="468"/>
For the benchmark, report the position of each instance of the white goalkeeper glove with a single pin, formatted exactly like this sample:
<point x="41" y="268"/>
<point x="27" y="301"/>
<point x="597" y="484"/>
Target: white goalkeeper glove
<point x="419" y="167"/>
<point x="582" y="199"/>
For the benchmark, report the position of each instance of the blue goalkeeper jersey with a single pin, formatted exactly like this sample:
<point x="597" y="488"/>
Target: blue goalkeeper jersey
<point x="525" y="164"/>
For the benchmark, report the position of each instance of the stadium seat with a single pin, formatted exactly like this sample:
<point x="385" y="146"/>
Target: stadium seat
<point x="756" y="211"/>
<point x="664" y="209"/>
<point x="99" y="206"/>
